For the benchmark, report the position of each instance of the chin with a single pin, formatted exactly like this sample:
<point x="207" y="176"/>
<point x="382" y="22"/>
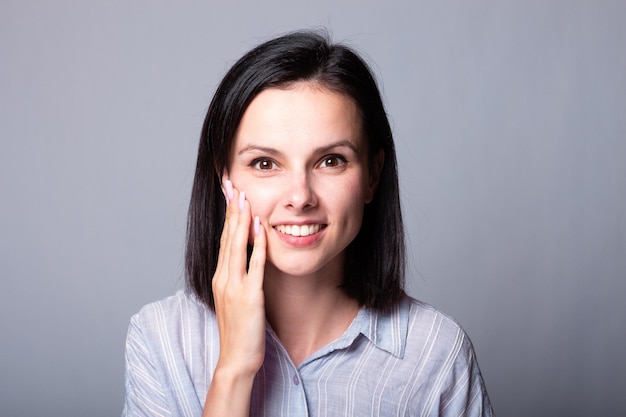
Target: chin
<point x="301" y="265"/>
<point x="295" y="271"/>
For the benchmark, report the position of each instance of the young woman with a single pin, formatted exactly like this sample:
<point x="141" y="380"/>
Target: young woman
<point x="295" y="261"/>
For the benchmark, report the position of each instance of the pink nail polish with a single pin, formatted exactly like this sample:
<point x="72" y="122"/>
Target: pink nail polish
<point x="242" y="199"/>
<point x="228" y="186"/>
<point x="257" y="225"/>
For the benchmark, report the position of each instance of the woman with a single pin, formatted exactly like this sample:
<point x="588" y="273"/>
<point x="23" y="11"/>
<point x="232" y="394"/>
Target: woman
<point x="295" y="261"/>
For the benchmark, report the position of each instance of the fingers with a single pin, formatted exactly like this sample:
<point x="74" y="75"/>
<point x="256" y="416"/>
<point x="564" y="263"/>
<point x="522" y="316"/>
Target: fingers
<point x="228" y="191"/>
<point x="221" y="271"/>
<point x="256" y="269"/>
<point x="238" y="255"/>
<point x="232" y="258"/>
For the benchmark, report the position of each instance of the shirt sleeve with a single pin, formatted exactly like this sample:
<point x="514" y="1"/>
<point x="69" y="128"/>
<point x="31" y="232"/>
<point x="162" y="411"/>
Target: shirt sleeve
<point x="464" y="393"/>
<point x="144" y="393"/>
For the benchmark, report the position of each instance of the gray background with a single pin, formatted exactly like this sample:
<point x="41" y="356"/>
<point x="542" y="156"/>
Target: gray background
<point x="511" y="131"/>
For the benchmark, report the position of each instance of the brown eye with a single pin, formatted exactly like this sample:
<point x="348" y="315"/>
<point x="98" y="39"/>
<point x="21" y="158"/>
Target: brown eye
<point x="332" y="161"/>
<point x="264" y="164"/>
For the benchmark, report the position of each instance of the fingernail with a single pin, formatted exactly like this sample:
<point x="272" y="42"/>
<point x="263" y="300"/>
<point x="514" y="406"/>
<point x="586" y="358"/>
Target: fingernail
<point x="242" y="199"/>
<point x="228" y="186"/>
<point x="257" y="225"/>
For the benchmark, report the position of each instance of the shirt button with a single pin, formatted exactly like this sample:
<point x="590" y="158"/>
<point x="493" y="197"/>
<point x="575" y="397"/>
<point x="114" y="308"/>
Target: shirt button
<point x="296" y="380"/>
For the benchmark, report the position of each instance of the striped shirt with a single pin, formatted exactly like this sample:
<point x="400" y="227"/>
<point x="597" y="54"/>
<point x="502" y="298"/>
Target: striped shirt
<point x="410" y="361"/>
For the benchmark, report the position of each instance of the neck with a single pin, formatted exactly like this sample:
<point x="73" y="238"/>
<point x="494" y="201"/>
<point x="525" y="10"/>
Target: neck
<point x="307" y="312"/>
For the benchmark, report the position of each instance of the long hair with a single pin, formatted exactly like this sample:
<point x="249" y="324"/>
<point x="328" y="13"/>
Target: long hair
<point x="375" y="260"/>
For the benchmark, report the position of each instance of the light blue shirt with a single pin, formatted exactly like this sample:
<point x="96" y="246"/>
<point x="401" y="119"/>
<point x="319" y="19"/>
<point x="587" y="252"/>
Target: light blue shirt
<point x="410" y="361"/>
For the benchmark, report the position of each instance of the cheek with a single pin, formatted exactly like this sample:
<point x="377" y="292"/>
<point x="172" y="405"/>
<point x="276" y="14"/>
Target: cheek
<point x="357" y="191"/>
<point x="259" y="196"/>
<point x="349" y="202"/>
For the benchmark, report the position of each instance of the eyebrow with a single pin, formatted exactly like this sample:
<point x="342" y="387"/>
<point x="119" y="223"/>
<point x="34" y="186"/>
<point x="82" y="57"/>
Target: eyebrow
<point x="322" y="149"/>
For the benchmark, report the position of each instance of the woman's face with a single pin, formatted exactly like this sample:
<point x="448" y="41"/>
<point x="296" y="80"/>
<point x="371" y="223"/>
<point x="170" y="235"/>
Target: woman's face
<point x="300" y="157"/>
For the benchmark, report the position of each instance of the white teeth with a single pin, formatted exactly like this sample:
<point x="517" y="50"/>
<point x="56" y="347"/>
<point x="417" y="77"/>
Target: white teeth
<point x="296" y="230"/>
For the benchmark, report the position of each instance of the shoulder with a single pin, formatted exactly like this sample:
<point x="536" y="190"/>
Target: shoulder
<point x="439" y="346"/>
<point x="173" y="314"/>
<point x="166" y="359"/>
<point x="424" y="316"/>
<point x="439" y="333"/>
<point x="415" y="330"/>
<point x="181" y="302"/>
<point x="432" y="358"/>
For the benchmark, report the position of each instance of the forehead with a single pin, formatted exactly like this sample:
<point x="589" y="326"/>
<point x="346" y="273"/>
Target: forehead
<point x="303" y="110"/>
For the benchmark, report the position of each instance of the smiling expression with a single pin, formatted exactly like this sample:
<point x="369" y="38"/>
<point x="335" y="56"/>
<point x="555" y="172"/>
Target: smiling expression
<point x="301" y="158"/>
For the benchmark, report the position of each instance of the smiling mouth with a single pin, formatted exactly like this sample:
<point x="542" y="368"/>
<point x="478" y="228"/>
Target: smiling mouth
<point x="299" y="230"/>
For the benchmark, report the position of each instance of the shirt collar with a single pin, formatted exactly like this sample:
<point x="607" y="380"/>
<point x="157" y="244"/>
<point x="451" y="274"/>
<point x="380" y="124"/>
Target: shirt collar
<point x="386" y="329"/>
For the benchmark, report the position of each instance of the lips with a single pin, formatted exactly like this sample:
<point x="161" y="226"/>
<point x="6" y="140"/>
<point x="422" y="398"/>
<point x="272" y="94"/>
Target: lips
<point x="299" y="230"/>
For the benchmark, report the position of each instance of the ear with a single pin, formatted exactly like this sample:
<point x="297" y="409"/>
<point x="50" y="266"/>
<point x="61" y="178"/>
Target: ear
<point x="374" y="175"/>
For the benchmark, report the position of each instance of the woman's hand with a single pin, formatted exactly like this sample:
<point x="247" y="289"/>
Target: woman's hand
<point x="240" y="309"/>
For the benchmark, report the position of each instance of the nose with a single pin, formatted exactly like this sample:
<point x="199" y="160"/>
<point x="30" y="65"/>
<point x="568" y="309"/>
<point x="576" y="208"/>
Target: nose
<point x="299" y="193"/>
